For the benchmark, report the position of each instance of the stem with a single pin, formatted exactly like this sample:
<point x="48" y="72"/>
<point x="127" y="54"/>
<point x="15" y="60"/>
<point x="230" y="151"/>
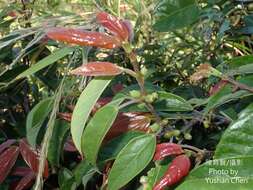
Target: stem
<point x="192" y="148"/>
<point x="238" y="84"/>
<point x="140" y="80"/>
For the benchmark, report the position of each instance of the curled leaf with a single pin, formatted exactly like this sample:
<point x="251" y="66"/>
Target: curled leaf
<point x="167" y="149"/>
<point x="7" y="161"/>
<point x="97" y="69"/>
<point x="178" y="169"/>
<point x="83" y="38"/>
<point x="113" y="24"/>
<point x="31" y="157"/>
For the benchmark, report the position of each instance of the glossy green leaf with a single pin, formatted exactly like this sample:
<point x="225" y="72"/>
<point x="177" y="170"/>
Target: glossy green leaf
<point x="57" y="141"/>
<point x="131" y="160"/>
<point x="237" y="139"/>
<point x="171" y="102"/>
<point x="110" y="150"/>
<point x="35" y="119"/>
<point x="176" y="14"/>
<point x="224" y="96"/>
<point x="240" y="61"/>
<point x="83" y="107"/>
<point x="96" y="130"/>
<point x="228" y="173"/>
<point x="55" y="56"/>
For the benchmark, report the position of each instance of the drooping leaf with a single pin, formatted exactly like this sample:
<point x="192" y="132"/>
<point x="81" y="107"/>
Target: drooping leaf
<point x="26" y="181"/>
<point x="99" y="125"/>
<point x="7" y="144"/>
<point x="244" y="69"/>
<point x="35" y="119"/>
<point x="55" y="56"/>
<point x="97" y="69"/>
<point x="7" y="161"/>
<point x="129" y="121"/>
<point x="131" y="160"/>
<point x="31" y="157"/>
<point x="237" y="139"/>
<point x="83" y="38"/>
<point x="176" y="14"/>
<point x="57" y="141"/>
<point x="83" y="107"/>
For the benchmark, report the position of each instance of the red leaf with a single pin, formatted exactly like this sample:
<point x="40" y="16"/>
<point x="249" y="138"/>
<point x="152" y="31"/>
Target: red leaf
<point x="21" y="171"/>
<point x="6" y="144"/>
<point x="129" y="121"/>
<point x="135" y="121"/>
<point x="69" y="146"/>
<point x="97" y="69"/>
<point x="117" y="88"/>
<point x="31" y="157"/>
<point x="7" y="161"/>
<point x="26" y="181"/>
<point x="167" y="149"/>
<point x="216" y="88"/>
<point x="178" y="169"/>
<point x="113" y="24"/>
<point x="83" y="38"/>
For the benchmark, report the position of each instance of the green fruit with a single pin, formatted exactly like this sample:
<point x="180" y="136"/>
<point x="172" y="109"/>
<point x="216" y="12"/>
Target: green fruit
<point x="168" y="135"/>
<point x="141" y="106"/>
<point x="187" y="136"/>
<point x="164" y="122"/>
<point x="176" y="132"/>
<point x="144" y="71"/>
<point x="149" y="98"/>
<point x="155" y="127"/>
<point x="155" y="95"/>
<point x="135" y="93"/>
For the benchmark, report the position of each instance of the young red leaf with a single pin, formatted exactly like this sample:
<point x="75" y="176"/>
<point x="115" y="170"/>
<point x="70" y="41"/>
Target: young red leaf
<point x="69" y="146"/>
<point x="21" y="171"/>
<point x="167" y="149"/>
<point x="31" y="157"/>
<point x="178" y="169"/>
<point x="97" y="69"/>
<point x="113" y="24"/>
<point x="83" y="38"/>
<point x="129" y="121"/>
<point x="216" y="88"/>
<point x="26" y="181"/>
<point x="7" y="161"/>
<point x="6" y="144"/>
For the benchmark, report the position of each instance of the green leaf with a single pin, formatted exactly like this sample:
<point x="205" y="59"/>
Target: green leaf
<point x="154" y="175"/>
<point x="96" y="130"/>
<point x="66" y="179"/>
<point x="83" y="170"/>
<point x="176" y="14"/>
<point x="35" y="119"/>
<point x="57" y="141"/>
<point x="83" y="107"/>
<point x="240" y="61"/>
<point x="131" y="160"/>
<point x="171" y="102"/>
<point x="224" y="96"/>
<point x="55" y="56"/>
<point x="228" y="173"/>
<point x="110" y="150"/>
<point x="244" y="69"/>
<point x="237" y="139"/>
